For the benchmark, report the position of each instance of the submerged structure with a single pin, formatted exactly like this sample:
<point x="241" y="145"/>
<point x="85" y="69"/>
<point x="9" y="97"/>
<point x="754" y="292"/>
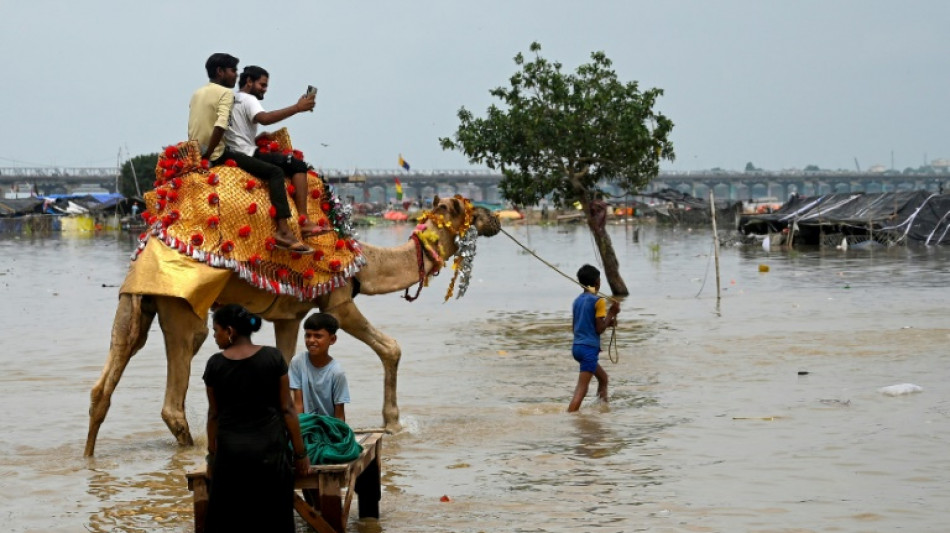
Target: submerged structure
<point x="894" y="218"/>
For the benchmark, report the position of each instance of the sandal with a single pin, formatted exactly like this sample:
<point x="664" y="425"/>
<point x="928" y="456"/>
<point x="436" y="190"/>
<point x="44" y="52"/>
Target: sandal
<point x="295" y="246"/>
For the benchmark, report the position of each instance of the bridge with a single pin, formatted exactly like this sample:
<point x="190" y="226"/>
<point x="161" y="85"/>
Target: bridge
<point x="482" y="184"/>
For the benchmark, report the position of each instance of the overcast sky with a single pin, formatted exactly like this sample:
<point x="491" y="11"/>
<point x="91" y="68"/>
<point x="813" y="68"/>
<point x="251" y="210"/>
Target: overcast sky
<point x="780" y="84"/>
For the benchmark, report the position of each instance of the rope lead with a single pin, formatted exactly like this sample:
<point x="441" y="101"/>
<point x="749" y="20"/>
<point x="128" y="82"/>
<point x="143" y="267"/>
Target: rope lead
<point x="613" y="352"/>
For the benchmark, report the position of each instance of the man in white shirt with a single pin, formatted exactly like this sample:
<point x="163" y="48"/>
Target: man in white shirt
<point x="242" y="135"/>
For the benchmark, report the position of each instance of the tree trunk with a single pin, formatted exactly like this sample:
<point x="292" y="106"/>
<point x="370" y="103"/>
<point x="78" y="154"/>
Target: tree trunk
<point x="606" y="249"/>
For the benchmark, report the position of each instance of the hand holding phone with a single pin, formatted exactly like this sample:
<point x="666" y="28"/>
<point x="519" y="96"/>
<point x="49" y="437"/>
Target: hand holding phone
<point x="309" y="99"/>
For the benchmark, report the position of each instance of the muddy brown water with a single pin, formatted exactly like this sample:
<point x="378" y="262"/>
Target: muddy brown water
<point x="764" y="415"/>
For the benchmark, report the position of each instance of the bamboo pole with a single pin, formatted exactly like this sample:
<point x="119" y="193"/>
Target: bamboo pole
<point x="712" y="210"/>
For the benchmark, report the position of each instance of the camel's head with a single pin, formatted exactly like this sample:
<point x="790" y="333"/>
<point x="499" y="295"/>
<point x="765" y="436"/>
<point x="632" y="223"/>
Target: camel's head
<point x="451" y="228"/>
<point x="460" y="212"/>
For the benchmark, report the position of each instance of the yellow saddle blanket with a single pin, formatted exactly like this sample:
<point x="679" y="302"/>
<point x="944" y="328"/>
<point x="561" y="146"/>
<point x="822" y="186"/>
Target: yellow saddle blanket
<point x="222" y="216"/>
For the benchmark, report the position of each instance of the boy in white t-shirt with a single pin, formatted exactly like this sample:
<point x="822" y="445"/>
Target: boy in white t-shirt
<point x="317" y="381"/>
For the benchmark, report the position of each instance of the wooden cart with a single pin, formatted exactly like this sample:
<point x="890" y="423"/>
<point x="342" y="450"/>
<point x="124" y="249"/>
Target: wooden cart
<point x="328" y="506"/>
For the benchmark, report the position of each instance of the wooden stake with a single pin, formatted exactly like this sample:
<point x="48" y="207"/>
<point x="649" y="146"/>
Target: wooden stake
<point x="712" y="210"/>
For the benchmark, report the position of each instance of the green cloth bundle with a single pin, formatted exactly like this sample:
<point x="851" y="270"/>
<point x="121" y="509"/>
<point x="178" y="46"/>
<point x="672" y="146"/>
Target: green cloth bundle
<point x="328" y="440"/>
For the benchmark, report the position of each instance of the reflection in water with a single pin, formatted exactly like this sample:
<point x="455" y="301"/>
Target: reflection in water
<point x="595" y="440"/>
<point x="136" y="501"/>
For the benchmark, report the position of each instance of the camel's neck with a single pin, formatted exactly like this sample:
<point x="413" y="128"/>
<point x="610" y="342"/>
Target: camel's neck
<point x="395" y="269"/>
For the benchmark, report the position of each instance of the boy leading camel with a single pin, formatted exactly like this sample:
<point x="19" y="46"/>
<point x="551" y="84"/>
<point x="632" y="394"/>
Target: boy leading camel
<point x="591" y="318"/>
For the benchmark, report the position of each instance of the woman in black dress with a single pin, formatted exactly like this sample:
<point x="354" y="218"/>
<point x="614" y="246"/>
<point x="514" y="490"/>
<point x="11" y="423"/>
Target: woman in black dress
<point x="251" y="423"/>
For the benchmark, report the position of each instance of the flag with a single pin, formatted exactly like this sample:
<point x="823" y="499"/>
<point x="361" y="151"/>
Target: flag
<point x="399" y="187"/>
<point x="403" y="163"/>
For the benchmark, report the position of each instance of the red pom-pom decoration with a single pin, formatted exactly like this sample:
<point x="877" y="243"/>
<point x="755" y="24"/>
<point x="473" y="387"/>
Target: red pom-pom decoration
<point x="340" y="244"/>
<point x="270" y="244"/>
<point x="272" y="211"/>
<point x="318" y="254"/>
<point x="197" y="239"/>
<point x="175" y="214"/>
<point x="244" y="231"/>
<point x="172" y="196"/>
<point x="171" y="151"/>
<point x="213" y="199"/>
<point x="308" y="274"/>
<point x="301" y="220"/>
<point x="212" y="179"/>
<point x="161" y="193"/>
<point x="255" y="260"/>
<point x="160" y="205"/>
<point x="205" y="164"/>
<point x="273" y="146"/>
<point x="295" y="255"/>
<point x="291" y="189"/>
<point x="324" y="222"/>
<point x="335" y="265"/>
<point x="146" y="215"/>
<point x="167" y="173"/>
<point x="298" y="155"/>
<point x="282" y="273"/>
<point x="231" y="163"/>
<point x="249" y="185"/>
<point x="227" y="247"/>
<point x="213" y="221"/>
<point x="176" y="183"/>
<point x="179" y="164"/>
<point x="167" y="220"/>
<point x="251" y="209"/>
<point x="325" y="206"/>
<point x="315" y="194"/>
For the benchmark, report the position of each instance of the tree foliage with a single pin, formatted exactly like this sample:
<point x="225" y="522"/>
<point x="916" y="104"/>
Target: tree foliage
<point x="144" y="173"/>
<point x="560" y="134"/>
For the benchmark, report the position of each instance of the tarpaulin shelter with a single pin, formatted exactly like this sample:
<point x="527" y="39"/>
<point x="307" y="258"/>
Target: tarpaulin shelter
<point x="889" y="218"/>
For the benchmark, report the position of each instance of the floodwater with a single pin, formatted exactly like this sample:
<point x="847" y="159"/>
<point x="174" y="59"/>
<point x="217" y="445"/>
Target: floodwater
<point x="762" y="414"/>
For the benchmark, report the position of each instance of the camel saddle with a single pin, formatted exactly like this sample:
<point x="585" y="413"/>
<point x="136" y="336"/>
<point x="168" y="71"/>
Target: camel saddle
<point x="222" y="216"/>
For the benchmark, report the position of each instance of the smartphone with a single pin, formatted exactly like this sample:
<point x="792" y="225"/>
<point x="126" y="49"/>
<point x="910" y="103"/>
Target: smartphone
<point x="311" y="90"/>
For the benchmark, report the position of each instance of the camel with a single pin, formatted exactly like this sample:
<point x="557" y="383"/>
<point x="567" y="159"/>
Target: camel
<point x="184" y="324"/>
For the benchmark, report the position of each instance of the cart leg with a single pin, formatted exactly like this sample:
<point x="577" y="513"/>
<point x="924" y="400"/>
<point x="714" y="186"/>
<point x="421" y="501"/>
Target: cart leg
<point x="331" y="501"/>
<point x="368" y="489"/>
<point x="200" y="486"/>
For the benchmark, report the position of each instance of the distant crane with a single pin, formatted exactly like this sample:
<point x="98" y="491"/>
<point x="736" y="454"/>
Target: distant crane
<point x="856" y="165"/>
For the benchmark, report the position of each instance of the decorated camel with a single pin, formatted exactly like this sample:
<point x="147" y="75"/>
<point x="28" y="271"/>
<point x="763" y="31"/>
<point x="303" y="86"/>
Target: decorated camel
<point x="204" y="248"/>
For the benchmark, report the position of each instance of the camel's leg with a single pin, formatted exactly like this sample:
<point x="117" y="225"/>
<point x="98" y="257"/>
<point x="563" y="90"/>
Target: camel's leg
<point x="354" y="323"/>
<point x="133" y="317"/>
<point x="184" y="332"/>
<point x="286" y="331"/>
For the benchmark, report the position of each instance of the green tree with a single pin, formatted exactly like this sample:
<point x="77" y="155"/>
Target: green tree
<point x="562" y="134"/>
<point x="812" y="168"/>
<point x="749" y="167"/>
<point x="144" y="173"/>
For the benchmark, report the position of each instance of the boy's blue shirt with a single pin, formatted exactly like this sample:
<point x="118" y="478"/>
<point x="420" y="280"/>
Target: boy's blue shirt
<point x="585" y="317"/>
